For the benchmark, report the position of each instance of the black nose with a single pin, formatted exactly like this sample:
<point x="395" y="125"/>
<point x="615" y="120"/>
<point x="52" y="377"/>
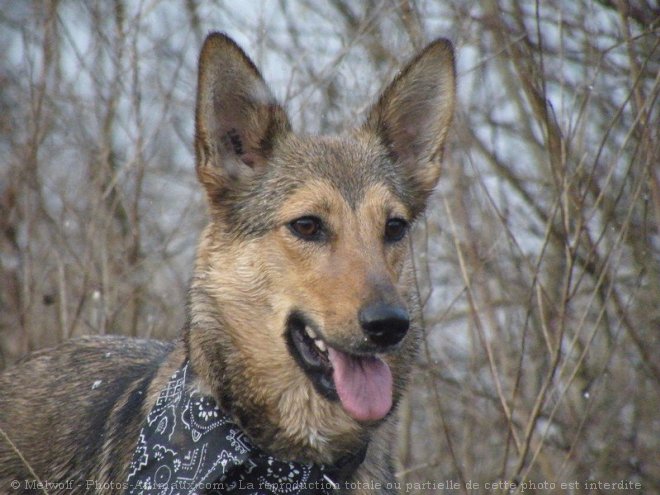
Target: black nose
<point x="383" y="324"/>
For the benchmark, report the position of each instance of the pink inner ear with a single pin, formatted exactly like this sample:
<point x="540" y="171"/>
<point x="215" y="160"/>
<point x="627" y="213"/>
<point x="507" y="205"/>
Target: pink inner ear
<point x="254" y="160"/>
<point x="250" y="159"/>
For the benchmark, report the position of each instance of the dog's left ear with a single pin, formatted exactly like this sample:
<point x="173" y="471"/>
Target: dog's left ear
<point x="413" y="114"/>
<point x="237" y="119"/>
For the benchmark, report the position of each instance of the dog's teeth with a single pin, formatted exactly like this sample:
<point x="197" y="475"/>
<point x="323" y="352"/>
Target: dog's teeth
<point x="310" y="332"/>
<point x="321" y="345"/>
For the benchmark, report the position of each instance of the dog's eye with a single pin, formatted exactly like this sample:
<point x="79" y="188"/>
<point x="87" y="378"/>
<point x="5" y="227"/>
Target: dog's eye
<point x="307" y="228"/>
<point x="395" y="229"/>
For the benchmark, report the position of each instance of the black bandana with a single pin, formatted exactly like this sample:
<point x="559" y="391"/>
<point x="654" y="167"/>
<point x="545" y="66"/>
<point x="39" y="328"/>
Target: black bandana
<point x="188" y="446"/>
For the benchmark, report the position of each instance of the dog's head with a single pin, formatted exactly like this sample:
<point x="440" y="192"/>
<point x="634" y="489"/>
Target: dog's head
<point x="302" y="308"/>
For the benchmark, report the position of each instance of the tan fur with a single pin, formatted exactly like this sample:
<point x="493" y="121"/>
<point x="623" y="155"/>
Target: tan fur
<point x="251" y="274"/>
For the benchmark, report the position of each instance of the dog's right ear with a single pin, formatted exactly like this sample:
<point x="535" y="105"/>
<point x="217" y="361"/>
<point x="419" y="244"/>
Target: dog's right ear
<point x="237" y="120"/>
<point x="413" y="115"/>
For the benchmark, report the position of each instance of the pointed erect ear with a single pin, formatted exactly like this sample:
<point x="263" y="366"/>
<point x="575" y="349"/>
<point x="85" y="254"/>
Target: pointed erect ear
<point x="413" y="115"/>
<point x="237" y="120"/>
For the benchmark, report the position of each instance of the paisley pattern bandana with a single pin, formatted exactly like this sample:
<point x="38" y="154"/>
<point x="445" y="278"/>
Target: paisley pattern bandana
<point x="188" y="446"/>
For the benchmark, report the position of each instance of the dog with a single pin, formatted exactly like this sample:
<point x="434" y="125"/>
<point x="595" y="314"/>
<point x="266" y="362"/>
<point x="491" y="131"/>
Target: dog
<point x="302" y="319"/>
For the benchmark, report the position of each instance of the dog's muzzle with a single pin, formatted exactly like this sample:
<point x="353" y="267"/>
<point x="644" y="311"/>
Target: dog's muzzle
<point x="356" y="374"/>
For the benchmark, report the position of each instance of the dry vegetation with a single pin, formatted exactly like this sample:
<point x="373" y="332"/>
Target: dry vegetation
<point x="539" y="259"/>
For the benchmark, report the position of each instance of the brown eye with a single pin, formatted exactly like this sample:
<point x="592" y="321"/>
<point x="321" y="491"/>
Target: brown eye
<point x="307" y="228"/>
<point x="395" y="229"/>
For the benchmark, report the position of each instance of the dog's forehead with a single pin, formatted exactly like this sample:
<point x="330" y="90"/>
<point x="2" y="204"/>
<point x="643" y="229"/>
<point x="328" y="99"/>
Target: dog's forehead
<point x="351" y="164"/>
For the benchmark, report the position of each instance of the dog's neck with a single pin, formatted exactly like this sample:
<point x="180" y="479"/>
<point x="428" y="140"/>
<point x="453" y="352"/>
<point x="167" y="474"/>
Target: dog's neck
<point x="279" y="410"/>
<point x="202" y="440"/>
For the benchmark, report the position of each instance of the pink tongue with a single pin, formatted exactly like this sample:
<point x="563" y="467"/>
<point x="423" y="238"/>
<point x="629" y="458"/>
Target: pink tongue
<point x="364" y="385"/>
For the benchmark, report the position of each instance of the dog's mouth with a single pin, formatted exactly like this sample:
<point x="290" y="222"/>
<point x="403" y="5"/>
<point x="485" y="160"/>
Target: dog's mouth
<point x="362" y="383"/>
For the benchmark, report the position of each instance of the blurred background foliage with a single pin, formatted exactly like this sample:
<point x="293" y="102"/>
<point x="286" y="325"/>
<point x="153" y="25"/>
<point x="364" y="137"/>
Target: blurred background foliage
<point x="538" y="260"/>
